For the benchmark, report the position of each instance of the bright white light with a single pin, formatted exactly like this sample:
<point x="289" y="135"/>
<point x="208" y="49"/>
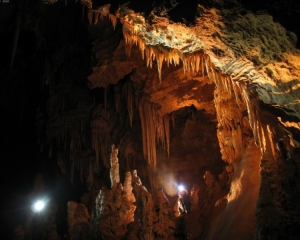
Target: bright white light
<point x="180" y="187"/>
<point x="38" y="206"/>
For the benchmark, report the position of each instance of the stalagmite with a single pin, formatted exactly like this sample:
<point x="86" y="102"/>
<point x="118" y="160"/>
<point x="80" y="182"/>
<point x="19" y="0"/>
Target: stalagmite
<point x="165" y="225"/>
<point x="114" y="167"/>
<point x="78" y="218"/>
<point x="114" y="210"/>
<point x="145" y="215"/>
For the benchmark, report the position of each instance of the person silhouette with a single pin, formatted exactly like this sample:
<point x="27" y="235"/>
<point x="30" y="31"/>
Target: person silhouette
<point x="184" y="203"/>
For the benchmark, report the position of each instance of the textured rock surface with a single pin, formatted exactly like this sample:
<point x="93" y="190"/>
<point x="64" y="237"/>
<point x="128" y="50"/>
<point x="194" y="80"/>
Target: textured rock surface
<point x="226" y="117"/>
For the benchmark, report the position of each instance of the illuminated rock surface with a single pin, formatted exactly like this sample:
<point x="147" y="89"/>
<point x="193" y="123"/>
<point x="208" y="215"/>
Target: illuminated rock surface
<point x="131" y="95"/>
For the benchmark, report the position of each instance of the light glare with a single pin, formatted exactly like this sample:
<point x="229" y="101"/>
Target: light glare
<point x="38" y="206"/>
<point x="180" y="187"/>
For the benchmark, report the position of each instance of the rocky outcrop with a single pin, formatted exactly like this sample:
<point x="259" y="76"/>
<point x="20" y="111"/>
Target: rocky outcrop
<point x="114" y="207"/>
<point x="78" y="221"/>
<point x="217" y="98"/>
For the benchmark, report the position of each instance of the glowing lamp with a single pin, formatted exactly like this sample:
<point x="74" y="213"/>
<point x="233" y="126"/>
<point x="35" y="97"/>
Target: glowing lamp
<point x="38" y="206"/>
<point x="180" y="188"/>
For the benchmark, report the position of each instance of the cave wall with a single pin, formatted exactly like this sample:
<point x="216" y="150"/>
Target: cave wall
<point x="240" y="204"/>
<point x="246" y="95"/>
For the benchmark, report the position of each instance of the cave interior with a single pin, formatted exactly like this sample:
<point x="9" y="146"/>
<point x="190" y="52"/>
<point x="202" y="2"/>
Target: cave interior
<point x="109" y="106"/>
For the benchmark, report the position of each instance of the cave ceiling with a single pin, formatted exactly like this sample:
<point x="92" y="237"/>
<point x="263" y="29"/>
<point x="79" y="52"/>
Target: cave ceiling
<point x="180" y="87"/>
<point x="249" y="48"/>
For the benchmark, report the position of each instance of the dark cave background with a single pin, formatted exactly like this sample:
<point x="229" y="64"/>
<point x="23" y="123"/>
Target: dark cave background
<point x="44" y="30"/>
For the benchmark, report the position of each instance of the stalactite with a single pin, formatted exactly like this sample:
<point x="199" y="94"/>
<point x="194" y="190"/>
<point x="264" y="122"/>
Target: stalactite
<point x="117" y="96"/>
<point x="144" y="130"/>
<point x="202" y="65"/>
<point x="100" y="140"/>
<point x="154" y="131"/>
<point x="219" y="83"/>
<point x="173" y="120"/>
<point x="135" y="24"/>
<point x="226" y="84"/>
<point x="82" y="14"/>
<point x="270" y="135"/>
<point x="228" y="111"/>
<point x="72" y="171"/>
<point x="49" y="2"/>
<point x="159" y="59"/>
<point x="214" y="75"/>
<point x="105" y="89"/>
<point x="87" y="3"/>
<point x="229" y="85"/>
<point x="167" y="132"/>
<point x="263" y="136"/>
<point x="251" y="114"/>
<point x="235" y="91"/>
<point x="16" y="37"/>
<point x="90" y="15"/>
<point x="96" y="15"/>
<point x="113" y="20"/>
<point x="237" y="141"/>
<point x="206" y="66"/>
<point x="128" y="91"/>
<point x="259" y="131"/>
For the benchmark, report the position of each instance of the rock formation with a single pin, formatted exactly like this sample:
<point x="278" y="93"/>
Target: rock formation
<point x="204" y="93"/>
<point x="78" y="221"/>
<point x="114" y="208"/>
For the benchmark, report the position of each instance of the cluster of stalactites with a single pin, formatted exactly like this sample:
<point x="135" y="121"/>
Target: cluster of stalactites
<point x="87" y="3"/>
<point x="94" y="15"/>
<point x="128" y="92"/>
<point x="230" y="85"/>
<point x="236" y="76"/>
<point x="196" y="62"/>
<point x="263" y="134"/>
<point x="155" y="131"/>
<point x="228" y="101"/>
<point x="100" y="140"/>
